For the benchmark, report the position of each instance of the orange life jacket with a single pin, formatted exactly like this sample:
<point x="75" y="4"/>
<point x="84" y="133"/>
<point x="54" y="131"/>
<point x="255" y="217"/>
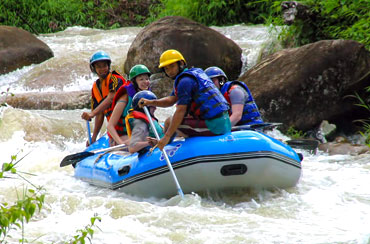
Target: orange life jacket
<point x="101" y="94"/>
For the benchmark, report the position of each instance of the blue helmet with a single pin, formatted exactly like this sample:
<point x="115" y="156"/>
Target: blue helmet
<point x="99" y="56"/>
<point x="142" y="94"/>
<point x="214" y="71"/>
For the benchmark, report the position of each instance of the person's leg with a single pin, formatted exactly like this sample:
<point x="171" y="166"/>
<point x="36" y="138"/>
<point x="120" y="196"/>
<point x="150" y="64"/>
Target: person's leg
<point x="194" y="127"/>
<point x="167" y="124"/>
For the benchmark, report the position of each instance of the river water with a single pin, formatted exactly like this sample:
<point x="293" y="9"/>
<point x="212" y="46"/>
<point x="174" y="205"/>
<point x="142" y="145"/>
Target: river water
<point x="330" y="204"/>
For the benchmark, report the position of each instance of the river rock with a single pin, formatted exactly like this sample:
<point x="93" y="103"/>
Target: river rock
<point x="344" y="148"/>
<point x="20" y="48"/>
<point x="301" y="87"/>
<point x="200" y="45"/>
<point x="50" y="100"/>
<point x="161" y="85"/>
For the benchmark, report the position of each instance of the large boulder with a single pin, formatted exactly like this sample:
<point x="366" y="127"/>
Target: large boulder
<point x="20" y="48"/>
<point x="50" y="100"/>
<point x="200" y="45"/>
<point x="301" y="87"/>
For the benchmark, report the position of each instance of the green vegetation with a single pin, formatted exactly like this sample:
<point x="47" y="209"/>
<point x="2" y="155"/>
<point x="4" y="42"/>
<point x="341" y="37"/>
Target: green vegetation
<point x="87" y="232"/>
<point x="294" y="133"/>
<point x="365" y="122"/>
<point x="46" y="16"/>
<point x="215" y="12"/>
<point x="6" y="94"/>
<point x="15" y="216"/>
<point x="330" y="19"/>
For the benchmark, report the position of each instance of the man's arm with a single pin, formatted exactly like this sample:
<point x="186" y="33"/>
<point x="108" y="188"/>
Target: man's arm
<point x="107" y="102"/>
<point x="237" y="112"/>
<point x="176" y="120"/>
<point x="162" y="102"/>
<point x="238" y="96"/>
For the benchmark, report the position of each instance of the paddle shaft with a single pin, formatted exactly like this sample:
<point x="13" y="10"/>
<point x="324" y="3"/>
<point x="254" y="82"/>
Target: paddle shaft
<point x="88" y="131"/>
<point x="254" y="126"/>
<point x="241" y="127"/>
<point x="179" y="190"/>
<point x="109" y="148"/>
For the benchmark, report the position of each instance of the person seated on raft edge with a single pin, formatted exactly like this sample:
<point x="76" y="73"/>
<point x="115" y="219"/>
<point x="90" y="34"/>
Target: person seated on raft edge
<point x="140" y="133"/>
<point x="139" y="78"/>
<point x="199" y="104"/>
<point x="243" y="110"/>
<point x="103" y="91"/>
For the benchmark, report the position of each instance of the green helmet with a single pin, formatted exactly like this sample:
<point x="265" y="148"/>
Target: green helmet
<point x="138" y="69"/>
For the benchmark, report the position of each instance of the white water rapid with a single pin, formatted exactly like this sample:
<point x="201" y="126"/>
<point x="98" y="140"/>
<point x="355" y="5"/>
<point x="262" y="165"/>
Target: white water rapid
<point x="330" y="204"/>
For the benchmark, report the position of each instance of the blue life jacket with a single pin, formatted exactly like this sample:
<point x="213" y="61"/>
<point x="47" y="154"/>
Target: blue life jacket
<point x="208" y="102"/>
<point x="251" y="115"/>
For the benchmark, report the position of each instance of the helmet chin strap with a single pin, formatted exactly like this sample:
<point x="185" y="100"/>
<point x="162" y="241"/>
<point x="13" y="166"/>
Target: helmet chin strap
<point x="182" y="66"/>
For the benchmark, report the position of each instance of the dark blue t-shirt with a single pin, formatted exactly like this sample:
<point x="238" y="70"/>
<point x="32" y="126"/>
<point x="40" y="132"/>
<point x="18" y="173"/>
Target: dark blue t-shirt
<point x="185" y="89"/>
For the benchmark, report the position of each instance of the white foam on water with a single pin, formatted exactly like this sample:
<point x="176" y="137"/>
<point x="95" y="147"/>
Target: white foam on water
<point x="330" y="204"/>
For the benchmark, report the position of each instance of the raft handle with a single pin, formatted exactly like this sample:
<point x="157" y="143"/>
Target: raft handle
<point x="234" y="169"/>
<point x="124" y="170"/>
<point x="300" y="155"/>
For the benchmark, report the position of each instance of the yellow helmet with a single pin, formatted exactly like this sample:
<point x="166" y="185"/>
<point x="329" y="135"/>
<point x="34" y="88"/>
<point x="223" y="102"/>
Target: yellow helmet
<point x="170" y="56"/>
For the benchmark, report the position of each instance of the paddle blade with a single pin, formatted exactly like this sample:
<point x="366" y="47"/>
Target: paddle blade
<point x="75" y="158"/>
<point x="307" y="144"/>
<point x="259" y="126"/>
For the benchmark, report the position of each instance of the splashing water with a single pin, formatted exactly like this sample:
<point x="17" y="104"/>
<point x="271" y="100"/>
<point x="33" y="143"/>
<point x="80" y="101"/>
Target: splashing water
<point x="330" y="204"/>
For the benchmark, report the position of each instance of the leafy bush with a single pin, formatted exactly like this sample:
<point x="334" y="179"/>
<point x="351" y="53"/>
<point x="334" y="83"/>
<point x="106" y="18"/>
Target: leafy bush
<point x="41" y="16"/>
<point x="6" y="94"/>
<point x="87" y="232"/>
<point x="364" y="103"/>
<point x="45" y="16"/>
<point x="14" y="216"/>
<point x="214" y="12"/>
<point x="21" y="212"/>
<point x="294" y="133"/>
<point x="330" y="19"/>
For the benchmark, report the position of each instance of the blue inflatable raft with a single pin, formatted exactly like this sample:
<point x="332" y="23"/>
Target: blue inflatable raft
<point x="240" y="159"/>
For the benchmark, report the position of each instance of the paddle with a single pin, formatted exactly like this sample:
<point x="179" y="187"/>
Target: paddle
<point x="309" y="144"/>
<point x="88" y="131"/>
<point x="164" y="153"/>
<point x="75" y="158"/>
<point x="242" y="127"/>
<point x="255" y="126"/>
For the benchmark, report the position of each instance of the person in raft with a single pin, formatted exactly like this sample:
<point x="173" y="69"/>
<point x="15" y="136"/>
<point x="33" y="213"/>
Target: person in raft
<point x="199" y="104"/>
<point x="139" y="81"/>
<point x="103" y="91"/>
<point x="140" y="133"/>
<point x="243" y="110"/>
